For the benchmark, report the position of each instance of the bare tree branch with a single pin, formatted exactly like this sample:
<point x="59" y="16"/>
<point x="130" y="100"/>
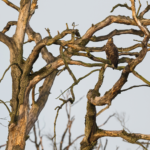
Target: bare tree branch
<point x="121" y="5"/>
<point x="116" y="32"/>
<point x="2" y="145"/>
<point x="144" y="11"/>
<point x="105" y="144"/>
<point x="138" y="8"/>
<point x="11" y="5"/>
<point x="141" y="77"/>
<point x="109" y="20"/>
<point x="5" y="39"/>
<point x="67" y="147"/>
<point x="62" y="139"/>
<point x="106" y="120"/>
<point x="145" y="31"/>
<point x="133" y="87"/>
<point x="22" y="23"/>
<point x="130" y="137"/>
<point x="9" y="24"/>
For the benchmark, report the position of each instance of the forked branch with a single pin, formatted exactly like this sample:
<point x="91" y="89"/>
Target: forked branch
<point x="144" y="11"/>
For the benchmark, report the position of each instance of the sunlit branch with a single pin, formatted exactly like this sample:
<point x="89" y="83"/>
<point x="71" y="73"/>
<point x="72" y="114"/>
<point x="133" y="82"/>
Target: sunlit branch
<point x="144" y="11"/>
<point x="138" y="8"/>
<point x="6" y="40"/>
<point x="139" y="23"/>
<point x="9" y="24"/>
<point x="36" y="37"/>
<point x="33" y="95"/>
<point x="33" y="6"/>
<point x="102" y="110"/>
<point x="46" y="41"/>
<point x="130" y="137"/>
<point x="11" y="5"/>
<point x="106" y="120"/>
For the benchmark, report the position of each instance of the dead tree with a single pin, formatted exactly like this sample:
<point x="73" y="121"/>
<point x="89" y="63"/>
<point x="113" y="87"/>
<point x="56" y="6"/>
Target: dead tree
<point x="59" y="145"/>
<point x="24" y="79"/>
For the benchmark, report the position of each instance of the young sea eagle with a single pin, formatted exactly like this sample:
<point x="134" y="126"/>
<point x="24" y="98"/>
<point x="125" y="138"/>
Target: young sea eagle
<point x="112" y="52"/>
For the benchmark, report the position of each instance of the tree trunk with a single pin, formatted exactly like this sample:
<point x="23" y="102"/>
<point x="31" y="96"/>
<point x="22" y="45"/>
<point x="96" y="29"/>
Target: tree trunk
<point x="17" y="133"/>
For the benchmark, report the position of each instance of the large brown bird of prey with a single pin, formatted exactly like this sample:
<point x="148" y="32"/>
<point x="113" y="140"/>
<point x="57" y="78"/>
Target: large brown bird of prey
<point x="112" y="52"/>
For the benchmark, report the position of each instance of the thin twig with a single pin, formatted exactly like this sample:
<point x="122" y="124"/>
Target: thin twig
<point x="67" y="147"/>
<point x="63" y="69"/>
<point x="78" y="81"/>
<point x="121" y="119"/>
<point x="8" y="69"/>
<point x="133" y="87"/>
<point x="6" y="106"/>
<point x="2" y="145"/>
<point x="138" y="8"/>
<point x="62" y="139"/>
<point x="106" y="120"/>
<point x="77" y="101"/>
<point x="11" y="5"/>
<point x="105" y="144"/>
<point x="48" y="31"/>
<point x="102" y="110"/>
<point x="58" y="108"/>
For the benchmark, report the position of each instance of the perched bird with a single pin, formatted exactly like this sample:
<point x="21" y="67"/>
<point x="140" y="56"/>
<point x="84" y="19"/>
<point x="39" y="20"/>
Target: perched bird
<point x="112" y="52"/>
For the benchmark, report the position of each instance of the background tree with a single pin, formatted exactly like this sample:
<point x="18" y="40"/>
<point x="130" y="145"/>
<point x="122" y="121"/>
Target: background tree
<point x="24" y="79"/>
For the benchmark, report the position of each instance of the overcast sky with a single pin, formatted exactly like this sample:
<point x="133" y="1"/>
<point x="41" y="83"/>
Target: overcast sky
<point x="54" y="14"/>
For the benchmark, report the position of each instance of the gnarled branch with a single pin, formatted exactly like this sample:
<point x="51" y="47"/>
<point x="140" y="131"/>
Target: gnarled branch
<point x="130" y="137"/>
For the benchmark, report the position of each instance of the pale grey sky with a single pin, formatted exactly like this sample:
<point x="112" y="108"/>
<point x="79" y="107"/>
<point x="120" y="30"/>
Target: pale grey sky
<point x="54" y="15"/>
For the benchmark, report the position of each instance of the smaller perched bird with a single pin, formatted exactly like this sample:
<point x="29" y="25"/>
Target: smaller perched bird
<point x="112" y="52"/>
